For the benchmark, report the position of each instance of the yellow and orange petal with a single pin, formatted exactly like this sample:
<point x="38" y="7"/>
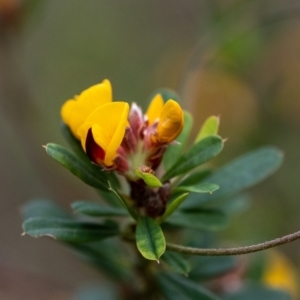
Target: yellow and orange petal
<point x="155" y="109"/>
<point x="108" y="125"/>
<point x="170" y="125"/>
<point x="74" y="112"/>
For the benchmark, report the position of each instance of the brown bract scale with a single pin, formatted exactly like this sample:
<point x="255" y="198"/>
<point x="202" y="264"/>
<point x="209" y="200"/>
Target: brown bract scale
<point x="151" y="202"/>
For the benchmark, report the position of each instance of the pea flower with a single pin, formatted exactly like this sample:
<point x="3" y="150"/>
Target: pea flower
<point x="125" y="140"/>
<point x="118" y="138"/>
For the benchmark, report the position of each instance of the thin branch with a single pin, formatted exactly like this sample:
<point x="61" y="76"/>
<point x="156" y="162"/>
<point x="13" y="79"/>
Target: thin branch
<point x="234" y="251"/>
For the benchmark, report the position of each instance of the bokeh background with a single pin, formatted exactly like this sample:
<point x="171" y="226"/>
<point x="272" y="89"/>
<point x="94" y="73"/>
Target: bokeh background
<point x="235" y="58"/>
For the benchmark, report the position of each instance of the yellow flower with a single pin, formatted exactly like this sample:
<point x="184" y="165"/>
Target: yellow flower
<point x="107" y="125"/>
<point x="170" y="120"/>
<point x="280" y="274"/>
<point x="97" y="122"/>
<point x="75" y="111"/>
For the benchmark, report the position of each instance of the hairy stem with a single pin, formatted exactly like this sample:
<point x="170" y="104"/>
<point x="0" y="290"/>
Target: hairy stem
<point x="234" y="251"/>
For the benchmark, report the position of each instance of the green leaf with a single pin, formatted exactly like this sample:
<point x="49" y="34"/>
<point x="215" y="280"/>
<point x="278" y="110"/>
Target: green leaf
<point x="73" y="142"/>
<point x="108" y="256"/>
<point x="258" y="292"/>
<point x="210" y="127"/>
<point x="176" y="262"/>
<point x="97" y="209"/>
<point x="208" y="219"/>
<point x="77" y="149"/>
<point x="150" y="239"/>
<point x="195" y="156"/>
<point x="204" y="187"/>
<point x="88" y="173"/>
<point x="171" y="208"/>
<point x="174" y="151"/>
<point x="110" y="198"/>
<point x="195" y="177"/>
<point x="124" y="203"/>
<point x="235" y="205"/>
<point x="150" y="179"/>
<point x="175" y="287"/>
<point x="43" y="208"/>
<point x="69" y="230"/>
<point x="238" y="175"/>
<point x="205" y="267"/>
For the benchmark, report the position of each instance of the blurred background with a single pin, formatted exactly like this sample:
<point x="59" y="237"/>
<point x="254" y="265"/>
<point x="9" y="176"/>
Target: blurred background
<point x="238" y="59"/>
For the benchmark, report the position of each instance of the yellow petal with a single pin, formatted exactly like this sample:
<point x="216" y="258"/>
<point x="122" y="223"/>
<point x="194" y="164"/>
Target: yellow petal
<point x="280" y="274"/>
<point x="99" y="135"/>
<point x="75" y="112"/>
<point x="108" y="124"/>
<point x="171" y="122"/>
<point x="155" y="108"/>
<point x="96" y="95"/>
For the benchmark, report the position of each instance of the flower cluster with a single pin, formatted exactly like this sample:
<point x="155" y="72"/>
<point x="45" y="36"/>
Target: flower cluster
<point x="121" y="138"/>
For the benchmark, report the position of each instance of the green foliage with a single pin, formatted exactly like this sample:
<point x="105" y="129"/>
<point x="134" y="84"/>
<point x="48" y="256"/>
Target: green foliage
<point x="210" y="127"/>
<point x="176" y="262"/>
<point x="150" y="179"/>
<point x="204" y="187"/>
<point x="175" y="287"/>
<point x="205" y="267"/>
<point x="198" y="154"/>
<point x="240" y="174"/>
<point x="173" y="206"/>
<point x="204" y="219"/>
<point x="97" y="209"/>
<point x="88" y="173"/>
<point x="44" y="218"/>
<point x="69" y="230"/>
<point x="150" y="239"/>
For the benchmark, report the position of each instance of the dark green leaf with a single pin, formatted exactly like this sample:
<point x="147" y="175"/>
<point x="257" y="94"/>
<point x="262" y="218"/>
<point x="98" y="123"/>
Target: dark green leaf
<point x="88" y="173"/>
<point x="206" y="267"/>
<point x="150" y="239"/>
<point x="108" y="256"/>
<point x="150" y="179"/>
<point x="210" y="127"/>
<point x="204" y="187"/>
<point x="124" y="203"/>
<point x="235" y="205"/>
<point x="258" y="293"/>
<point x="208" y="219"/>
<point x="175" y="287"/>
<point x="110" y="198"/>
<point x="171" y="208"/>
<point x="44" y="208"/>
<point x="173" y="152"/>
<point x="97" y="209"/>
<point x="195" y="156"/>
<point x="69" y="230"/>
<point x="176" y="262"/>
<point x="239" y="175"/>
<point x="73" y="142"/>
<point x="195" y="177"/>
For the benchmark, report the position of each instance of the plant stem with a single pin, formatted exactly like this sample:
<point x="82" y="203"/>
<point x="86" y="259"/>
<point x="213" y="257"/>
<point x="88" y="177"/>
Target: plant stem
<point x="234" y="251"/>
